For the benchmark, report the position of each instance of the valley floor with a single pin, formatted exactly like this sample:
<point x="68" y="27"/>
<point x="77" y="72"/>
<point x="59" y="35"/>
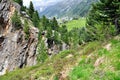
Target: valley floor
<point x="92" y="61"/>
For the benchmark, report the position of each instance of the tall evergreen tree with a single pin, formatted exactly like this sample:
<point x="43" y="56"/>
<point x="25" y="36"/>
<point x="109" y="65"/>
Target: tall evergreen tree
<point x="37" y="14"/>
<point x="64" y="33"/>
<point x="45" y="22"/>
<point x="31" y="9"/>
<point x="35" y="19"/>
<point x="42" y="52"/>
<point x="54" y="24"/>
<point x="19" y="2"/>
<point x="49" y="32"/>
<point x="106" y="12"/>
<point x="56" y="37"/>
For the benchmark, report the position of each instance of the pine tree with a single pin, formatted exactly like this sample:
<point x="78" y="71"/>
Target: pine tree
<point x="64" y="33"/>
<point x="31" y="9"/>
<point x="49" y="32"/>
<point x="54" y="24"/>
<point x="37" y="14"/>
<point x="56" y="37"/>
<point x="45" y="22"/>
<point x="106" y="12"/>
<point x="19" y="2"/>
<point x="42" y="52"/>
<point x="35" y="19"/>
<point x="103" y="19"/>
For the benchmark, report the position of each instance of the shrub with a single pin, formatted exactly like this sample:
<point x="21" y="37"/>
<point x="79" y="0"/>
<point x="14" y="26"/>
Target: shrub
<point x="26" y="29"/>
<point x="81" y="72"/>
<point x="16" y="22"/>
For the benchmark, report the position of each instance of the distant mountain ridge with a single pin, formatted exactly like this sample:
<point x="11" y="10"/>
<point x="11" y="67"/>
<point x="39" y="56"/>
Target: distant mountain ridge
<point x="43" y="4"/>
<point x="68" y="8"/>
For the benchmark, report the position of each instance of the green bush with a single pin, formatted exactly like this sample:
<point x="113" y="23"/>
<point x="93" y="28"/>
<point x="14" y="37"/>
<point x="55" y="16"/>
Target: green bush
<point x="16" y="22"/>
<point x="26" y="29"/>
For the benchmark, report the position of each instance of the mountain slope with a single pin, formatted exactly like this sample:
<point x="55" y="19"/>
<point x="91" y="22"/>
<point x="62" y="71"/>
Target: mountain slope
<point x="68" y="8"/>
<point x="95" y="60"/>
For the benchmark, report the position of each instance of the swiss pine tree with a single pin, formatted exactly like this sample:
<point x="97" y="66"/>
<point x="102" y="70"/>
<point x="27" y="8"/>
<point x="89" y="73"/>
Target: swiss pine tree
<point x="45" y="22"/>
<point x="35" y="19"/>
<point x="64" y="33"/>
<point x="54" y="24"/>
<point x="31" y="9"/>
<point x="19" y="2"/>
<point x="106" y="12"/>
<point x="37" y="14"/>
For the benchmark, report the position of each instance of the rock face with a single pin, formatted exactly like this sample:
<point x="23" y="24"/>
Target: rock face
<point x="15" y="51"/>
<point x="53" y="48"/>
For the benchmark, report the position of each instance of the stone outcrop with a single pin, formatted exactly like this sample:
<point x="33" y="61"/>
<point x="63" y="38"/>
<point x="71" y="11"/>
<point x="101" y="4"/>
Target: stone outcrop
<point x="15" y="50"/>
<point x="53" y="48"/>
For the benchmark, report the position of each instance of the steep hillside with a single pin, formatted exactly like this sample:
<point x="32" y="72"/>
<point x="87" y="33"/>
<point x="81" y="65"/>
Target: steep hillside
<point x="68" y="8"/>
<point x="95" y="60"/>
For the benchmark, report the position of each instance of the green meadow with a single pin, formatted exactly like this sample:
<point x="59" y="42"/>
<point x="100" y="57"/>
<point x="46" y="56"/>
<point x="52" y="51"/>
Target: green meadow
<point x="75" y="23"/>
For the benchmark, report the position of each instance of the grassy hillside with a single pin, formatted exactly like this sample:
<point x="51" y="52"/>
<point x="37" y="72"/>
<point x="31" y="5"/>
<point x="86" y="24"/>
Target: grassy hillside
<point x="76" y="23"/>
<point x="100" y="64"/>
<point x="95" y="60"/>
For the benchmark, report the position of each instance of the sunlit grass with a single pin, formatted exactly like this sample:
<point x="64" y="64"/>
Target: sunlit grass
<point x="109" y="69"/>
<point x="76" y="23"/>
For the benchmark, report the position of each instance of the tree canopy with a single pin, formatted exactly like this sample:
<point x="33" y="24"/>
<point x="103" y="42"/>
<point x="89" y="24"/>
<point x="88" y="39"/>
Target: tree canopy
<point x="31" y="9"/>
<point x="106" y="11"/>
<point x="19" y="2"/>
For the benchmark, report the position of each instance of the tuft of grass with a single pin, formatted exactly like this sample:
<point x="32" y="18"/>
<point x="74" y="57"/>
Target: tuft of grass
<point x="82" y="71"/>
<point x="90" y="47"/>
<point x="102" y="52"/>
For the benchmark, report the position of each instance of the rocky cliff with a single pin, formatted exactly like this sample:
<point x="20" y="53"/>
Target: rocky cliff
<point x="15" y="50"/>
